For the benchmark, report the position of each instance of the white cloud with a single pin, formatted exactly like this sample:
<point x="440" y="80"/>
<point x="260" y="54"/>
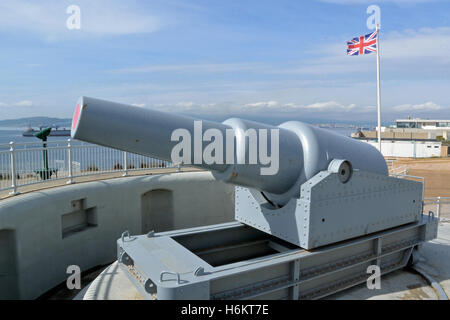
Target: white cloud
<point x="191" y="107"/>
<point x="140" y="105"/>
<point x="293" y="107"/>
<point x="427" y="106"/>
<point x="329" y="105"/>
<point x="270" y="107"/>
<point x="264" y="104"/>
<point x="22" y="103"/>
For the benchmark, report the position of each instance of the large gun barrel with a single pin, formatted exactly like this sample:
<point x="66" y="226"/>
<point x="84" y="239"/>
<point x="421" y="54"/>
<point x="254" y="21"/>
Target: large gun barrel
<point x="273" y="159"/>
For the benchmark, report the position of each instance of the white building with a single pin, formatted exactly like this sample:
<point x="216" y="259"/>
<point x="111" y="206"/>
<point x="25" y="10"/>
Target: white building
<point x="411" y="138"/>
<point x="408" y="149"/>
<point x="423" y="124"/>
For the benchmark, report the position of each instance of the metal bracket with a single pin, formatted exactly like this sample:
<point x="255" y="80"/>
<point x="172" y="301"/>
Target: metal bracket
<point x="126" y="234"/>
<point x="161" y="275"/>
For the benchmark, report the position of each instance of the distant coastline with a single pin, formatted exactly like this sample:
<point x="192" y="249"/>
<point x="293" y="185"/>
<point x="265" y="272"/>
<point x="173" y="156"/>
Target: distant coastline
<point x="22" y="123"/>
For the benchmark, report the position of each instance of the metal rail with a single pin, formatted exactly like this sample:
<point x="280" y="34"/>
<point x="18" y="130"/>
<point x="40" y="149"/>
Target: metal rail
<point x="442" y="205"/>
<point x="399" y="170"/>
<point x="21" y="164"/>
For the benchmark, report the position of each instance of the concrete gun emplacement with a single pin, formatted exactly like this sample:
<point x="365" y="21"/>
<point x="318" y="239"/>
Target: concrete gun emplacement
<point x="328" y="193"/>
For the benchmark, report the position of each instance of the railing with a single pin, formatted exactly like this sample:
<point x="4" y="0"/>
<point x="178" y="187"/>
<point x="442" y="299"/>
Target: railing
<point x="396" y="170"/>
<point x="399" y="170"/>
<point x="438" y="205"/>
<point x="23" y="164"/>
<point x="390" y="163"/>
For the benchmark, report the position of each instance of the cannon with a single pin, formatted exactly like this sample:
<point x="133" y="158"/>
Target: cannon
<point x="313" y="209"/>
<point x="303" y="150"/>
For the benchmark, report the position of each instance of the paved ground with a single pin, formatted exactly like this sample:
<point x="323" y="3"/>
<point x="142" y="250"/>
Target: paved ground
<point x="436" y="172"/>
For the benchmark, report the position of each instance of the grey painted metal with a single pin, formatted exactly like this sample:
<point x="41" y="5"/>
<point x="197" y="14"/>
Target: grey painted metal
<point x="343" y="168"/>
<point x="346" y="225"/>
<point x="407" y="176"/>
<point x="129" y="128"/>
<point x="245" y="174"/>
<point x="330" y="210"/>
<point x="320" y="147"/>
<point x="205" y="264"/>
<point x="304" y="150"/>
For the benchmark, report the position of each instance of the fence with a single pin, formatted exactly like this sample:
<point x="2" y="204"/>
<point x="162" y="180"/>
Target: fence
<point x="399" y="170"/>
<point x="403" y="169"/>
<point x="30" y="163"/>
<point x="440" y="206"/>
<point x="390" y="163"/>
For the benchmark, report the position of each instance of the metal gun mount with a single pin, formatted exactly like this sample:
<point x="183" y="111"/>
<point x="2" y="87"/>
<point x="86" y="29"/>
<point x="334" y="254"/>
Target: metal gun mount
<point x="308" y="231"/>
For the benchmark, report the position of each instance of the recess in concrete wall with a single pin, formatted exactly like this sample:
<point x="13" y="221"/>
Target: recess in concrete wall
<point x="81" y="218"/>
<point x="8" y="265"/>
<point x="157" y="210"/>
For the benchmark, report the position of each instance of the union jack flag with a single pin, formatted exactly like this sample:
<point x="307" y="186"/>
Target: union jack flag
<point x="363" y="44"/>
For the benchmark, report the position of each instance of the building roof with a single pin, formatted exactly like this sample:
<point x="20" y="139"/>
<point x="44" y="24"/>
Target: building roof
<point x="420" y="120"/>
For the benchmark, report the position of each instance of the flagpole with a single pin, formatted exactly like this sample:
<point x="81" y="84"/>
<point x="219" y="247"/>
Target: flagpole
<point x="378" y="88"/>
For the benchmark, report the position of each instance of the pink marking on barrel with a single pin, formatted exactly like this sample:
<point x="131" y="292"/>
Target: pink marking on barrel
<point x="75" y="116"/>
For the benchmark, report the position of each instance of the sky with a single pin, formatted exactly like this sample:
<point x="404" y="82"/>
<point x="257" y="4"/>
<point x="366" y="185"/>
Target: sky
<point x="255" y="59"/>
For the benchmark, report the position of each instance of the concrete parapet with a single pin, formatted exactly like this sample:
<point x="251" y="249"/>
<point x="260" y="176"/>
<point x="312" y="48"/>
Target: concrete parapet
<point x="48" y="230"/>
